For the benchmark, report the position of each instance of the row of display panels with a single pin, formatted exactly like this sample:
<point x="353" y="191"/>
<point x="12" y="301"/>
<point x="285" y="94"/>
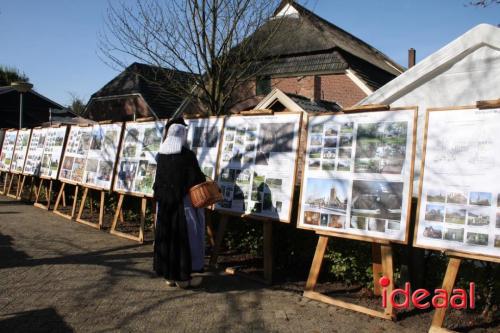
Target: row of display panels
<point x="357" y="172"/>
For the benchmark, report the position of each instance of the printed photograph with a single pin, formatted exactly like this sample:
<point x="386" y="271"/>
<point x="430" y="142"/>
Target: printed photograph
<point x="208" y="171"/>
<point x="323" y="221"/>
<point x="110" y="139"/>
<point x="97" y="139"/>
<point x="478" y="217"/>
<point x="152" y="139"/>
<point x="455" y="235"/>
<point x="130" y="150"/>
<point x="198" y="137"/>
<point x="336" y="221"/>
<point x="358" y="222"/>
<point x="436" y="196"/>
<point x="345" y="153"/>
<point x="480" y="198"/>
<point x="394" y="225"/>
<point x="330" y="142"/>
<point x="455" y="215"/>
<point x="328" y="165"/>
<point x="279" y="205"/>
<point x="317" y="128"/>
<point x="497" y="224"/>
<point x="432" y="231"/>
<point x="331" y="130"/>
<point x="227" y="175"/>
<point x="243" y="177"/>
<point x="105" y="171"/>
<point x="497" y="241"/>
<point x="92" y="165"/>
<point x="380" y="147"/>
<point x="78" y="168"/>
<point x="376" y="225"/>
<point x="329" y="153"/>
<point x="474" y="238"/>
<point x="274" y="183"/>
<point x="240" y="140"/>
<point x="84" y="145"/>
<point x="229" y="136"/>
<point x="311" y="218"/>
<point x="344" y="165"/>
<point x="457" y="198"/>
<point x="346" y="140"/>
<point x="132" y="135"/>
<point x="377" y="199"/>
<point x="126" y="174"/>
<point x="68" y="162"/>
<point x="347" y="127"/>
<point x="261" y="158"/>
<point x="326" y="195"/>
<point x="316" y="140"/>
<point x="142" y="168"/>
<point x="276" y="137"/>
<point x="315" y="152"/>
<point x="434" y="213"/>
<point x="250" y="136"/>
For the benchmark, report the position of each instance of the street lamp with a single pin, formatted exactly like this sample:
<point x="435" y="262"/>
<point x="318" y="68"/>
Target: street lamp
<point x="21" y="87"/>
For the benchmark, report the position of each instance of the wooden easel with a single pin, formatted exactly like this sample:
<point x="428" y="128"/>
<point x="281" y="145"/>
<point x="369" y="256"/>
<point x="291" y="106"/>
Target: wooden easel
<point x="10" y="185"/>
<point x="267" y="225"/>
<point x="62" y="196"/>
<point x="32" y="186"/>
<point x="82" y="206"/>
<point x="48" y="193"/>
<point x="5" y="182"/>
<point x="386" y="269"/>
<point x="119" y="216"/>
<point x="455" y="259"/>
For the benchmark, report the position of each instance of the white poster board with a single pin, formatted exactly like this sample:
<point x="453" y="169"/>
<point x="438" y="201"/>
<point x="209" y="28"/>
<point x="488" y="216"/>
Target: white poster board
<point x="459" y="201"/>
<point x="101" y="157"/>
<point x="75" y="154"/>
<point x="35" y="152"/>
<point x="357" y="175"/>
<point x="52" y="153"/>
<point x="257" y="165"/>
<point x="203" y="139"/>
<point x="21" y="150"/>
<point x="136" y="170"/>
<point x="8" y="146"/>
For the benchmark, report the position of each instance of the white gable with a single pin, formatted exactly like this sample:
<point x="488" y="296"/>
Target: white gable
<point x="288" y="10"/>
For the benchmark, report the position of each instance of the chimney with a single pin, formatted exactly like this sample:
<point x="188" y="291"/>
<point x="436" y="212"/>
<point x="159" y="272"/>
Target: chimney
<point x="411" y="57"/>
<point x="317" y="88"/>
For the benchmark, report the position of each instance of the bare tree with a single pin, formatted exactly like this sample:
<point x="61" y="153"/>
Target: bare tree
<point x="77" y="104"/>
<point x="213" y="40"/>
<point x="484" y="3"/>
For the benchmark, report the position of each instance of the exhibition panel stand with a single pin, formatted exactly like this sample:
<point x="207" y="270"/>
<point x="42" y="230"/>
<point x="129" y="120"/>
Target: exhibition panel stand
<point x="18" y="159"/>
<point x="136" y="170"/>
<point x="459" y="196"/>
<point x="357" y="184"/>
<point x="256" y="172"/>
<point x="8" y="147"/>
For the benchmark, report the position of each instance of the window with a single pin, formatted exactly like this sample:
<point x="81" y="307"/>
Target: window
<point x="263" y="85"/>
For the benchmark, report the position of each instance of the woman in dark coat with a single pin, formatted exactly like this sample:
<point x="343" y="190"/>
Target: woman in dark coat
<point x="179" y="233"/>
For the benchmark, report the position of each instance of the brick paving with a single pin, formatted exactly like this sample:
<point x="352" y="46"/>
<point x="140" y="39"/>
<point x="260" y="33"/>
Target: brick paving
<point x="61" y="276"/>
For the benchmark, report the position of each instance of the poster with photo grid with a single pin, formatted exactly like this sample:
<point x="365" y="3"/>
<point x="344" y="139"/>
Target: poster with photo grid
<point x="459" y="201"/>
<point x="35" y="152"/>
<point x="257" y="165"/>
<point x="136" y="169"/>
<point x="203" y="139"/>
<point x="101" y="156"/>
<point x="8" y="145"/>
<point x="75" y="154"/>
<point x="21" y="150"/>
<point x="357" y="174"/>
<point x="52" y="153"/>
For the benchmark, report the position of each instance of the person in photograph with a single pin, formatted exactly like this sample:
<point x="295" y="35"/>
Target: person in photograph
<point x="180" y="228"/>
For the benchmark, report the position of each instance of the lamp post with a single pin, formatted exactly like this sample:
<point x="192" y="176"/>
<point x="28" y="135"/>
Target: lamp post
<point x="21" y="87"/>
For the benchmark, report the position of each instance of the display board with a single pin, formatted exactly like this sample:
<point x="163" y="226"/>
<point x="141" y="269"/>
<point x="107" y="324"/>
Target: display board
<point x="137" y="163"/>
<point x="75" y="154"/>
<point x="8" y="146"/>
<point x="257" y="163"/>
<point x="357" y="174"/>
<point x="21" y="150"/>
<point x="35" y="152"/>
<point x="52" y="153"/>
<point x="101" y="157"/>
<point x="203" y="139"/>
<point x="459" y="197"/>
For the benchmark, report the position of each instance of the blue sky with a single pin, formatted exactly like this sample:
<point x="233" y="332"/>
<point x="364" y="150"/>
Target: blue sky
<point x="55" y="41"/>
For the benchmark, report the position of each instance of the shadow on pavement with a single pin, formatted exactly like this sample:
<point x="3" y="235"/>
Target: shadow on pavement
<point x="43" y="320"/>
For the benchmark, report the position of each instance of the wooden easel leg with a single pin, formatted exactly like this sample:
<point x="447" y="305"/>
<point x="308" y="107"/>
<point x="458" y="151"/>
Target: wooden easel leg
<point x="448" y="283"/>
<point x="210" y="228"/>
<point x="32" y="188"/>
<point x="10" y="184"/>
<point x="49" y="194"/>
<point x="75" y="201"/>
<point x="6" y="180"/>
<point x="218" y="240"/>
<point x="91" y="204"/>
<point x="312" y="279"/>
<point x="117" y="212"/>
<point x="376" y="268"/>
<point x="388" y="271"/>
<point x="82" y="204"/>
<point x="37" y="196"/>
<point x="20" y="187"/>
<point x="143" y="219"/>
<point x="101" y="210"/>
<point x="61" y="194"/>
<point x="64" y="198"/>
<point x="268" y="251"/>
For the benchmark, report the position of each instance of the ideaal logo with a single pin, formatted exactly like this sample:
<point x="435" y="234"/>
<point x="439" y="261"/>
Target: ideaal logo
<point x="441" y="299"/>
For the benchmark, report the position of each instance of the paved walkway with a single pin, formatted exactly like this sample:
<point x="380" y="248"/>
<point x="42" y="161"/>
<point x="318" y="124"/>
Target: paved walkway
<point x="60" y="276"/>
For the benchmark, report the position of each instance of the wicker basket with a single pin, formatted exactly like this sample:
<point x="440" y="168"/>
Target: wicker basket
<point x="205" y="194"/>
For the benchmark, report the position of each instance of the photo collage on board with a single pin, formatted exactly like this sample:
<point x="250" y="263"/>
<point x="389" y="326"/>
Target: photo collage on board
<point x="137" y="164"/>
<point x="354" y="176"/>
<point x="35" y="152"/>
<point x="457" y="216"/>
<point x="102" y="155"/>
<point x="203" y="139"/>
<point x="7" y="150"/>
<point x="52" y="152"/>
<point x="21" y="150"/>
<point x="75" y="155"/>
<point x="257" y="163"/>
